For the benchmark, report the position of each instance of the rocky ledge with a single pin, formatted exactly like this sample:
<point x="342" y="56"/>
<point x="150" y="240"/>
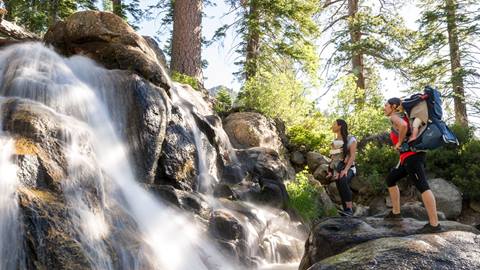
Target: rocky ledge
<point x="364" y="243"/>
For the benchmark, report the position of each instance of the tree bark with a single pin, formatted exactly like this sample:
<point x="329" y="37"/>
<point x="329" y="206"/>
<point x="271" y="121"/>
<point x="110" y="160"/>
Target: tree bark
<point x="253" y="41"/>
<point x="455" y="65"/>
<point x="187" y="38"/>
<point x="358" y="68"/>
<point x="54" y="17"/>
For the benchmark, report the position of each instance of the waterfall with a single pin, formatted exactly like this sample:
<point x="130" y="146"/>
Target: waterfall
<point x="115" y="220"/>
<point x="11" y="250"/>
<point x="35" y="72"/>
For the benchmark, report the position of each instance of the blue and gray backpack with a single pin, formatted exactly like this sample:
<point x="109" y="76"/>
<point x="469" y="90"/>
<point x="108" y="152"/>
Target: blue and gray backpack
<point x="436" y="133"/>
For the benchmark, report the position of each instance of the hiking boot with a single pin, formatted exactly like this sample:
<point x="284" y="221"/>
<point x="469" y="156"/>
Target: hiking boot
<point x="430" y="229"/>
<point x="346" y="213"/>
<point x="393" y="216"/>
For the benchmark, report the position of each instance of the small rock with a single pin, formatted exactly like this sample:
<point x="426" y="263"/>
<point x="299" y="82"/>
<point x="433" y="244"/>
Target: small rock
<point x="475" y="205"/>
<point x="321" y="172"/>
<point x="224" y="226"/>
<point x="315" y="159"/>
<point x="297" y="158"/>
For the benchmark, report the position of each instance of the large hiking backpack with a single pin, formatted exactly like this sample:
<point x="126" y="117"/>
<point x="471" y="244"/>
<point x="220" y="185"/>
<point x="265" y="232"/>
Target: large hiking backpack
<point x="436" y="133"/>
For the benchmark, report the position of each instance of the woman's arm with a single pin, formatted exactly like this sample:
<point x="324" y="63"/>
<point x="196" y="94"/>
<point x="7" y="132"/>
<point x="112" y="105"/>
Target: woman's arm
<point x="352" y="152"/>
<point x="402" y="128"/>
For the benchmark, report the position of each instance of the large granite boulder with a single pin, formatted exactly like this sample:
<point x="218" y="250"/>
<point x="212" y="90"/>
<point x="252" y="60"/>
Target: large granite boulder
<point x="333" y="236"/>
<point x="448" y="250"/>
<point x="108" y="39"/>
<point x="447" y="196"/>
<point x="250" y="129"/>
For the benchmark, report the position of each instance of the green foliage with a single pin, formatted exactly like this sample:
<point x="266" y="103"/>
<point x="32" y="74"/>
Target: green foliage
<point x="382" y="36"/>
<point x="224" y="101"/>
<point x="185" y="79"/>
<point x="429" y="58"/>
<point x="276" y="95"/>
<point x="364" y="120"/>
<point x="313" y="133"/>
<point x="274" y="31"/>
<point x="37" y="16"/>
<point x="304" y="197"/>
<point x="374" y="163"/>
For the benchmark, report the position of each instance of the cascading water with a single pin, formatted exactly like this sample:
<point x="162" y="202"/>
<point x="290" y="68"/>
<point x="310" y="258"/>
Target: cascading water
<point x="275" y="231"/>
<point x="102" y="165"/>
<point x="11" y="251"/>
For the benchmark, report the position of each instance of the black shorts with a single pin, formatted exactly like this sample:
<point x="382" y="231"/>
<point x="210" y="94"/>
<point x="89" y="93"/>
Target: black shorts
<point x="413" y="167"/>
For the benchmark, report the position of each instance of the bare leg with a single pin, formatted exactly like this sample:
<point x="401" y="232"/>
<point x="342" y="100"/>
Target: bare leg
<point x="430" y="204"/>
<point x="349" y="205"/>
<point x="395" y="197"/>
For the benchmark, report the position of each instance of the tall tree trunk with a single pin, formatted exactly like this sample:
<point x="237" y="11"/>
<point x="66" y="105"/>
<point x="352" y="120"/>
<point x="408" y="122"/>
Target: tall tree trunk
<point x="118" y="8"/>
<point x="187" y="38"/>
<point x="253" y="41"/>
<point x="455" y="65"/>
<point x="358" y="68"/>
<point x="54" y="16"/>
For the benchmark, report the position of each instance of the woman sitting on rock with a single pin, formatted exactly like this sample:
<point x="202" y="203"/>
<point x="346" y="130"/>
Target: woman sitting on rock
<point x="342" y="167"/>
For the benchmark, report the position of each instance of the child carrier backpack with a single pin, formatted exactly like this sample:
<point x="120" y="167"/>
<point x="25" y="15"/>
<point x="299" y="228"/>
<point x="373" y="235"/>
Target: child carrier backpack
<point x="436" y="133"/>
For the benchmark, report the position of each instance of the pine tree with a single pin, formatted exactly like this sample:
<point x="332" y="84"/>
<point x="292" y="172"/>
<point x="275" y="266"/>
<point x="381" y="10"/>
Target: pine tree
<point x="363" y="35"/>
<point x="274" y="31"/>
<point x="446" y="51"/>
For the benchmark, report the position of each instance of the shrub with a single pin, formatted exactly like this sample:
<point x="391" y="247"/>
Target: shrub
<point x="185" y="79"/>
<point x="313" y="133"/>
<point x="374" y="164"/>
<point x="305" y="198"/>
<point x="223" y="101"/>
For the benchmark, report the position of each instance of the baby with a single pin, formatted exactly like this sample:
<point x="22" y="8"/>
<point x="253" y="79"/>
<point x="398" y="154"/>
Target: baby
<point x="419" y="115"/>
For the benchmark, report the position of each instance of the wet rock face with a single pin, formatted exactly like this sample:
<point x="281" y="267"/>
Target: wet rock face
<point x="224" y="226"/>
<point x="333" y="236"/>
<point x="109" y="40"/>
<point x="177" y="164"/>
<point x="48" y="238"/>
<point x="449" y="250"/>
<point x="141" y="111"/>
<point x="40" y="138"/>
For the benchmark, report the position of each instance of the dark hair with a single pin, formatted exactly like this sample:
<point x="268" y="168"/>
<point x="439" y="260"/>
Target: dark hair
<point x="344" y="131"/>
<point x="394" y="101"/>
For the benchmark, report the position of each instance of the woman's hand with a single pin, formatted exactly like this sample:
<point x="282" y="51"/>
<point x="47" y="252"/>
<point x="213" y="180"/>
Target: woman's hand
<point x="343" y="173"/>
<point x="398" y="146"/>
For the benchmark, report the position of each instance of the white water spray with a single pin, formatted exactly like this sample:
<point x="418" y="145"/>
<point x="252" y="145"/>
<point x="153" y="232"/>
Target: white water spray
<point x="11" y="253"/>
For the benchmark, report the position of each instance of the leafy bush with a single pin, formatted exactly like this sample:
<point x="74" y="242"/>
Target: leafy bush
<point x="313" y="133"/>
<point x="276" y="94"/>
<point x="374" y="164"/>
<point x="304" y="197"/>
<point x="185" y="79"/>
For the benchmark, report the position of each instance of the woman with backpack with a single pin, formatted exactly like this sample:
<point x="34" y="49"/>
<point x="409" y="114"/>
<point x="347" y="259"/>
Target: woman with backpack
<point x="342" y="167"/>
<point x="412" y="165"/>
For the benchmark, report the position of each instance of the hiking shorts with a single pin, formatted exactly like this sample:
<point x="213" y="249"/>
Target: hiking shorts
<point x="414" y="168"/>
